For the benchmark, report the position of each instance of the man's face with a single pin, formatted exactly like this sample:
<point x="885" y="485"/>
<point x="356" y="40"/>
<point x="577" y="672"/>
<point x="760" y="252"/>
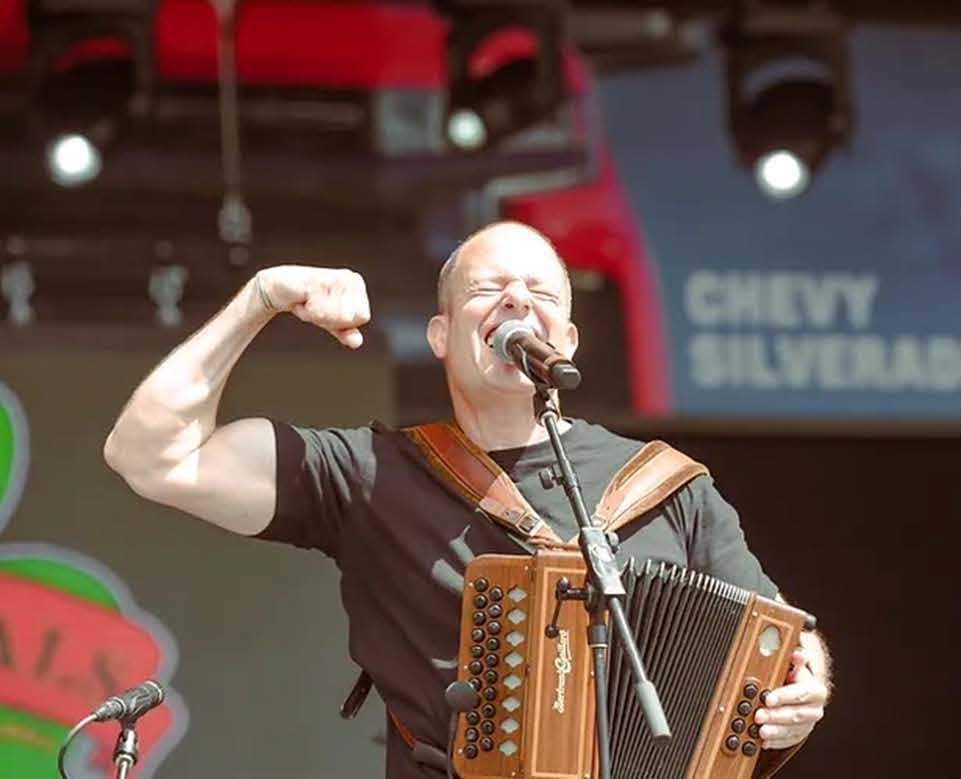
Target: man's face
<point x="504" y="274"/>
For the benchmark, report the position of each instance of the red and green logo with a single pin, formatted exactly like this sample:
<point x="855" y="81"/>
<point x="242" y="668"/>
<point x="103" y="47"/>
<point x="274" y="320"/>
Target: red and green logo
<point x="70" y="637"/>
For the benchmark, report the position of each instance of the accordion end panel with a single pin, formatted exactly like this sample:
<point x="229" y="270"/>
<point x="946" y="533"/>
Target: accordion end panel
<point x="728" y="745"/>
<point x="534" y="720"/>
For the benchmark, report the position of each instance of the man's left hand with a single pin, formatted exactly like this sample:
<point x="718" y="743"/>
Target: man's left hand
<point x="791" y="712"/>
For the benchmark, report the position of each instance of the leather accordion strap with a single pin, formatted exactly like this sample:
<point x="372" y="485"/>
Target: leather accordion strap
<point x="648" y="478"/>
<point x="479" y="479"/>
<point x="651" y="476"/>
<point x="402" y="729"/>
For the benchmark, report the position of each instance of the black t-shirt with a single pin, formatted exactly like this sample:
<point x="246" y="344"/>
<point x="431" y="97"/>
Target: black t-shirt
<point x="402" y="540"/>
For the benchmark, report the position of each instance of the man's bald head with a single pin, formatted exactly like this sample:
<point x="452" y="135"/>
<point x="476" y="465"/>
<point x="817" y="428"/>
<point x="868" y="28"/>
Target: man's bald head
<point x="514" y="232"/>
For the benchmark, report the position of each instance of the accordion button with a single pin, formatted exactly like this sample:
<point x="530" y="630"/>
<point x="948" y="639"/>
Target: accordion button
<point x="476" y="667"/>
<point x="496" y="593"/>
<point x="495" y="611"/>
<point x="480" y="601"/>
<point x="487" y="727"/>
<point x="749" y="748"/>
<point x="477" y="635"/>
<point x="744" y="708"/>
<point x="470" y="751"/>
<point x="479" y="618"/>
<point x="494" y="628"/>
<point x="481" y="584"/>
<point x="490" y="677"/>
<point x="487" y="744"/>
<point x="493" y="644"/>
<point x="476" y="684"/>
<point x="750" y="690"/>
<point x="731" y="742"/>
<point x="489" y="693"/>
<point x="754" y="731"/>
<point x="492" y="660"/>
<point x="471" y="734"/>
<point x="488" y="710"/>
<point x="477" y="651"/>
<point x="738" y="725"/>
<point x="472" y="717"/>
<point x="764" y="694"/>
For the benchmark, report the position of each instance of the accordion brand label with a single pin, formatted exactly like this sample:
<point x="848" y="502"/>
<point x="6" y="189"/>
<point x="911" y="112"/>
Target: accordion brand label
<point x="563" y="664"/>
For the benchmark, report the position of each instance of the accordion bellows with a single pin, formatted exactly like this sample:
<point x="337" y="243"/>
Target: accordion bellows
<point x="711" y="649"/>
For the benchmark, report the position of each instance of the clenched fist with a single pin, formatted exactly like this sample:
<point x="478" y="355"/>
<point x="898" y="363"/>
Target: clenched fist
<point x="332" y="298"/>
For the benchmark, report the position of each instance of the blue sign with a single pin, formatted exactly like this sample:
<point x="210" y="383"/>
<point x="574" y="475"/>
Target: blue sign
<point x="845" y="302"/>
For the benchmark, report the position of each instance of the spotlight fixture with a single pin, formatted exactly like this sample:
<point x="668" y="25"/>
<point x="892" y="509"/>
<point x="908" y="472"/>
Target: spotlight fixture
<point x="504" y="70"/>
<point x="788" y="94"/>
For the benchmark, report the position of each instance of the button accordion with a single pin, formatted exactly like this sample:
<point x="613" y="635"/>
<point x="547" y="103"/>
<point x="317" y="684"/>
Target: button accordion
<point x="713" y="650"/>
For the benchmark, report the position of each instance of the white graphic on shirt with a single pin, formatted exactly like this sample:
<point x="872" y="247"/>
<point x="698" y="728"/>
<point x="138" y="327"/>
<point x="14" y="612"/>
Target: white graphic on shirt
<point x="447" y="577"/>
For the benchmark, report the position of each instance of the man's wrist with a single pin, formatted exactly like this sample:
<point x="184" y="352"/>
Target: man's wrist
<point x="262" y="294"/>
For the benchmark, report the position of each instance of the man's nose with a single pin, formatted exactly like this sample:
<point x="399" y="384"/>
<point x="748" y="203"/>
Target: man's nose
<point x="517" y="297"/>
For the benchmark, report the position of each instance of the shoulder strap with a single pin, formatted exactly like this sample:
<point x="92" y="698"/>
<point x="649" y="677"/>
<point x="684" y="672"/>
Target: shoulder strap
<point x="463" y="465"/>
<point x="649" y="477"/>
<point x="655" y="473"/>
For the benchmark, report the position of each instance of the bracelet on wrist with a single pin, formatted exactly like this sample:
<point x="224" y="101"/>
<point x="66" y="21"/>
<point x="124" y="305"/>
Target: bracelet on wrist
<point x="262" y="294"/>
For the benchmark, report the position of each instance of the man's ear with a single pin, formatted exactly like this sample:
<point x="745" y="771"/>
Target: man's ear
<point x="573" y="339"/>
<point x="437" y="329"/>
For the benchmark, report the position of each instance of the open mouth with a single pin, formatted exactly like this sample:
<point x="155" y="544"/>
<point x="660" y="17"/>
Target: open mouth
<point x="489" y="334"/>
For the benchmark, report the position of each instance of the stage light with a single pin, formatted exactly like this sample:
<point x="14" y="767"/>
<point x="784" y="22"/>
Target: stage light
<point x="466" y="130"/>
<point x="73" y="160"/>
<point x="788" y="98"/>
<point x="781" y="174"/>
<point x="504" y="70"/>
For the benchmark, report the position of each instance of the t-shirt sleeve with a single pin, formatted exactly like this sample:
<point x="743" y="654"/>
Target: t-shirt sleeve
<point x="717" y="545"/>
<point x="322" y="478"/>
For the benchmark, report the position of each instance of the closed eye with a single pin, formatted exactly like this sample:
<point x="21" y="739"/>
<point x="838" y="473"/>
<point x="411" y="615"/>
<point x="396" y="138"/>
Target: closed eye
<point x="550" y="297"/>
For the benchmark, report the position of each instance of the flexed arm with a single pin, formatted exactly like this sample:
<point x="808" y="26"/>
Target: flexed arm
<point x="166" y="443"/>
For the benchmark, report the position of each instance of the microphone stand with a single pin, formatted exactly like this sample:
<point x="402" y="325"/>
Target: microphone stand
<point x="601" y="594"/>
<point x="125" y="753"/>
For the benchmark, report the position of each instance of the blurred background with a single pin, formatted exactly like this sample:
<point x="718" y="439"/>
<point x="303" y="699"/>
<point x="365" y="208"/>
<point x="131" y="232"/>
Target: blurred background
<point x="759" y="203"/>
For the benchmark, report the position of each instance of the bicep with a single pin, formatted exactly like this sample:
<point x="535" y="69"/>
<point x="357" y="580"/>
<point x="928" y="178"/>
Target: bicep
<point x="230" y="480"/>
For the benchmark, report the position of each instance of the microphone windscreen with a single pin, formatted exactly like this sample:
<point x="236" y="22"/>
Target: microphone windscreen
<point x="507" y="332"/>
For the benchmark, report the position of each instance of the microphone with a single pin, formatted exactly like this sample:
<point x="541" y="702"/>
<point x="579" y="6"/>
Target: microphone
<point x="515" y="342"/>
<point x="131" y="704"/>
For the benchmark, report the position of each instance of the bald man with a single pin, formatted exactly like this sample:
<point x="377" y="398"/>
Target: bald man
<point x="366" y="497"/>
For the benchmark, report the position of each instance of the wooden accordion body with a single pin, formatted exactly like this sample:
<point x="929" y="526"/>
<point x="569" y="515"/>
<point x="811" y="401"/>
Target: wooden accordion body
<point x="711" y="649"/>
